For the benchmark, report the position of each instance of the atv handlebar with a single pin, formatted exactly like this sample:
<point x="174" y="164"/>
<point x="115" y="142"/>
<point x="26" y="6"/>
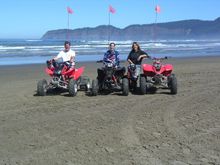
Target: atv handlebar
<point x="99" y="61"/>
<point x="55" y="64"/>
<point x="161" y="59"/>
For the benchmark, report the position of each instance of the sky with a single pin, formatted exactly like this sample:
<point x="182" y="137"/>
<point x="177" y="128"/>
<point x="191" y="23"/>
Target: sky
<point x="33" y="18"/>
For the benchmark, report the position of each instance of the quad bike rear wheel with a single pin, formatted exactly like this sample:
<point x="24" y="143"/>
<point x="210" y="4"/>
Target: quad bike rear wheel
<point x="94" y="87"/>
<point x="125" y="87"/>
<point x="42" y="87"/>
<point x="73" y="87"/>
<point x="143" y="85"/>
<point x="173" y="84"/>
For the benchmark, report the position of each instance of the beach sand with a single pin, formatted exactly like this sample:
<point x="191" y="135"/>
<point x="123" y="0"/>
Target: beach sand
<point x="111" y="129"/>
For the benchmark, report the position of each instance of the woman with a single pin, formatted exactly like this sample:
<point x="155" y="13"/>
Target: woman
<point x="135" y="57"/>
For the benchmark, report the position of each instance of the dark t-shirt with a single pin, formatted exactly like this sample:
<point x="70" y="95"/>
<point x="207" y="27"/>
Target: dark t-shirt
<point x="133" y="56"/>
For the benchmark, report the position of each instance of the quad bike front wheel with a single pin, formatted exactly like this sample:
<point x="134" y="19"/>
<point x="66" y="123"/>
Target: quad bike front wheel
<point x="173" y="84"/>
<point x="125" y="87"/>
<point x="143" y="85"/>
<point x="73" y="87"/>
<point x="42" y="87"/>
<point x="94" y="87"/>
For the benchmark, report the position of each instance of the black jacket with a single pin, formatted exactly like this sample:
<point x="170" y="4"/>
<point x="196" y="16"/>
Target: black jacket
<point x="133" y="56"/>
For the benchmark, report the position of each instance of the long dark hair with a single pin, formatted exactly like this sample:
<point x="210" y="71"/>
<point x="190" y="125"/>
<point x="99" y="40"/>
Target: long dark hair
<point x="135" y="43"/>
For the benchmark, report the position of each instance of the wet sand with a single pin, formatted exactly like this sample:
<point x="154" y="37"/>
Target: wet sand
<point x="112" y="129"/>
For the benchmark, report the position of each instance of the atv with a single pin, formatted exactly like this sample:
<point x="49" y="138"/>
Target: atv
<point x="110" y="79"/>
<point x="157" y="76"/>
<point x="63" y="76"/>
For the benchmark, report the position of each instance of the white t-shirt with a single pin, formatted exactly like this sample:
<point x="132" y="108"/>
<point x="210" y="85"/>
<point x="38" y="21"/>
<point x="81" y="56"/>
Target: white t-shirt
<point x="66" y="56"/>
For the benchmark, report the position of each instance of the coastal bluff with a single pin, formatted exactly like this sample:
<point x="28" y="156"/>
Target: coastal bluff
<point x="185" y="29"/>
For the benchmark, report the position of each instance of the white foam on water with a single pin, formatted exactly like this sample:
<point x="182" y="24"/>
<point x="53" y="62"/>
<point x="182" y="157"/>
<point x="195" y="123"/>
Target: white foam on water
<point x="92" y="49"/>
<point x="33" y="40"/>
<point x="12" y="48"/>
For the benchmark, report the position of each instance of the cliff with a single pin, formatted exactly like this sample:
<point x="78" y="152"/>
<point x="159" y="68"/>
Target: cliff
<point x="186" y="29"/>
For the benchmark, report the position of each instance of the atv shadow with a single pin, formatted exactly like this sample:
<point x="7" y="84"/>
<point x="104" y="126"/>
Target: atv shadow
<point x="53" y="92"/>
<point x="105" y="93"/>
<point x="165" y="93"/>
<point x="159" y="91"/>
<point x="135" y="91"/>
<point x="150" y="91"/>
<point x="56" y="91"/>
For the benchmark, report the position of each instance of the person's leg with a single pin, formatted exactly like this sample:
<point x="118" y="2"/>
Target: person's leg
<point x="138" y="70"/>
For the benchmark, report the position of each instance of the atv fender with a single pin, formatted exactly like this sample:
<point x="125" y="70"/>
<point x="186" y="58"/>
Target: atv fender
<point x="49" y="71"/>
<point x="69" y="72"/>
<point x="147" y="68"/>
<point x="78" y="72"/>
<point x="167" y="69"/>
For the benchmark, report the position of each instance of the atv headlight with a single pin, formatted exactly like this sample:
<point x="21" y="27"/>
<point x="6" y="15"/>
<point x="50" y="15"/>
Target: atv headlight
<point x="109" y="65"/>
<point x="157" y="66"/>
<point x="132" y="67"/>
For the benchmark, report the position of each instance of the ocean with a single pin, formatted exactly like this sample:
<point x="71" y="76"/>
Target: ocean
<point x="24" y="51"/>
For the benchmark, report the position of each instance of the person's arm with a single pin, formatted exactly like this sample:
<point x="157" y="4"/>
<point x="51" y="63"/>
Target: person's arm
<point x="117" y="58"/>
<point x="130" y="62"/>
<point x="129" y="59"/>
<point x="58" y="56"/>
<point x="143" y="55"/>
<point x="105" y="56"/>
<point x="72" y="59"/>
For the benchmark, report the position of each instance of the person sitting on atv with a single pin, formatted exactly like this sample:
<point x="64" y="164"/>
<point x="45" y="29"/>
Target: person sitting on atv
<point x="68" y="59"/>
<point x="67" y="55"/>
<point x="135" y="57"/>
<point x="112" y="56"/>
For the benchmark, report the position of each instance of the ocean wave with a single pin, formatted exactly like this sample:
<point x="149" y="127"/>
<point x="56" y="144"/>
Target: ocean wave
<point x="37" y="49"/>
<point x="34" y="49"/>
<point x="45" y="47"/>
<point x="33" y="40"/>
<point x="12" y="48"/>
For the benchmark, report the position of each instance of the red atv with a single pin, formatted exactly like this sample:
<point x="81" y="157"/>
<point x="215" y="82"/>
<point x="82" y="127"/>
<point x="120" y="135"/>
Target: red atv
<point x="63" y="77"/>
<point x="157" y="76"/>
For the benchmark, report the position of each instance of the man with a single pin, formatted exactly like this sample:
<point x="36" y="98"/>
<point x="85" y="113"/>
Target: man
<point x="67" y="55"/>
<point x="112" y="55"/>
